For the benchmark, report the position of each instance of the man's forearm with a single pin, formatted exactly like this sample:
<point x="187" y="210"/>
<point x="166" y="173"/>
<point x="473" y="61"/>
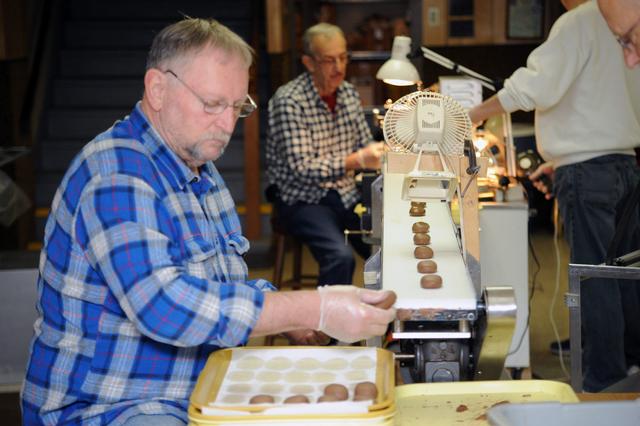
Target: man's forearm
<point x="351" y="162"/>
<point x="288" y="310"/>
<point x="488" y="108"/>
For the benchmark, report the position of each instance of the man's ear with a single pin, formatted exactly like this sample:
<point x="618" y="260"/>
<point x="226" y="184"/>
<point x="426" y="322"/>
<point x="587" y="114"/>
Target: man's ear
<point x="155" y="86"/>
<point x="309" y="63"/>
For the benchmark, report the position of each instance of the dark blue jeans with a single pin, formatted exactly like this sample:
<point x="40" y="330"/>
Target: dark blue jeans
<point x="591" y="196"/>
<point x="321" y="227"/>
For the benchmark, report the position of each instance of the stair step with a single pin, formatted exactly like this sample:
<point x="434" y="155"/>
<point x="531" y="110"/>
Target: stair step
<point x="97" y="93"/>
<point x="162" y="10"/>
<point x="56" y="155"/>
<point x="64" y="124"/>
<point x="126" y="34"/>
<point x="47" y="183"/>
<point x="85" y="124"/>
<point x="111" y="34"/>
<point x="46" y="186"/>
<point x="102" y="63"/>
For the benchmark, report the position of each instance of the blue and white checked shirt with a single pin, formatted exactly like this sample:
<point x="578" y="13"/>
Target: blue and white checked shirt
<point x="307" y="143"/>
<point x="141" y="278"/>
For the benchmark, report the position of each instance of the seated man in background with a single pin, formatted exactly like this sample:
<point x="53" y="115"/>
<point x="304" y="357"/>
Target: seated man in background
<point x="586" y="131"/>
<point x="318" y="138"/>
<point x="142" y="273"/>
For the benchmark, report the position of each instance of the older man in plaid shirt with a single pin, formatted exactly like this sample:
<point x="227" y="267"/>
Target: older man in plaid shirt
<point x="141" y="274"/>
<point x="317" y="138"/>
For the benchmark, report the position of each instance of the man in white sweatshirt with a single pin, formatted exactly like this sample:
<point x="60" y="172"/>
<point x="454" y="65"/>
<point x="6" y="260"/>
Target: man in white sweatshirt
<point x="586" y="131"/>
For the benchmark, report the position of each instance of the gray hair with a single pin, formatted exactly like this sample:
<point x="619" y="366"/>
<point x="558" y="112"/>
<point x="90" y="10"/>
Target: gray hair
<point x="322" y="29"/>
<point x="191" y="35"/>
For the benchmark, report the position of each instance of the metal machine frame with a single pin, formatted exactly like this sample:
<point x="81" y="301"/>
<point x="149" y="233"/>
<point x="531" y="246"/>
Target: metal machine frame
<point x="461" y="339"/>
<point x="577" y="273"/>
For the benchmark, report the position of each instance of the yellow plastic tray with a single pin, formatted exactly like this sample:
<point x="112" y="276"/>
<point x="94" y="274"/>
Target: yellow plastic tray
<point x="212" y="376"/>
<point x="384" y="417"/>
<point x="433" y="404"/>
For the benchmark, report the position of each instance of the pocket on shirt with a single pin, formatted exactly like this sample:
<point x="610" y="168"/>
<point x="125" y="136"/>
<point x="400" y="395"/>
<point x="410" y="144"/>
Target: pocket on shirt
<point x="238" y="243"/>
<point x="200" y="258"/>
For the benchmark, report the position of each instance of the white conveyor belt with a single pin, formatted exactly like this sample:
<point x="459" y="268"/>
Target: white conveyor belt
<point x="399" y="266"/>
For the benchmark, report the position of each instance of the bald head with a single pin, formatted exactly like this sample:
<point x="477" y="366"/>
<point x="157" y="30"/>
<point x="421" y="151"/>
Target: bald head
<point x="623" y="17"/>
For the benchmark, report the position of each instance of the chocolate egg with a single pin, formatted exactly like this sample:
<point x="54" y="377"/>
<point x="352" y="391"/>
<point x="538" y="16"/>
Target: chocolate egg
<point x="297" y="399"/>
<point x="328" y="398"/>
<point x="421" y="239"/>
<point x="388" y="301"/>
<point x="416" y="211"/>
<point x="431" y="281"/>
<point x="427" y="266"/>
<point x="337" y="390"/>
<point x="261" y="399"/>
<point x="420" y="227"/>
<point x="365" y="390"/>
<point x="423" y="252"/>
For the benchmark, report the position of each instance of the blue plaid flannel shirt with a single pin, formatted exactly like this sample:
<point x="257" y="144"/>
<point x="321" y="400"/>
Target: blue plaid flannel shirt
<point x="141" y="278"/>
<point x="307" y="143"/>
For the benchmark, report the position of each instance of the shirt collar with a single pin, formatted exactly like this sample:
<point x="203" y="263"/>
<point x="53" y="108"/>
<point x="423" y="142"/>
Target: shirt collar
<point x="314" y="95"/>
<point x="167" y="160"/>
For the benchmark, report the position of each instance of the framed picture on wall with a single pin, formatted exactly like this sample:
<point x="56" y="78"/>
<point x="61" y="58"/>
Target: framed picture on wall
<point x="525" y="19"/>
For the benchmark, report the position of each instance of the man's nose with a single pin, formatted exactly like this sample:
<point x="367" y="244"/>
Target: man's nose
<point x="227" y="119"/>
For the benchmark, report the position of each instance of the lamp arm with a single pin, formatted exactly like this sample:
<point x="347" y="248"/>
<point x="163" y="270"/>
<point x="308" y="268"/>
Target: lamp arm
<point x="449" y="64"/>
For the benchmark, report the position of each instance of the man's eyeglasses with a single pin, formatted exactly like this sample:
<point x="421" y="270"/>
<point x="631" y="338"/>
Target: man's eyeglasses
<point x="625" y="40"/>
<point x="333" y="60"/>
<point x="242" y="109"/>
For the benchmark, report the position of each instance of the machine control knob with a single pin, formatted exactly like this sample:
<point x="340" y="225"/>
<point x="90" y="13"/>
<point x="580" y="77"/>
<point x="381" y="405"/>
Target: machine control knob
<point x="442" y="375"/>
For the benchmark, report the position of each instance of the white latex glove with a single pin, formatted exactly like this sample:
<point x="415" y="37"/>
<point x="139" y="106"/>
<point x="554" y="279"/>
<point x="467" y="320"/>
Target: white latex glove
<point x="369" y="157"/>
<point x="347" y="312"/>
<point x="307" y="338"/>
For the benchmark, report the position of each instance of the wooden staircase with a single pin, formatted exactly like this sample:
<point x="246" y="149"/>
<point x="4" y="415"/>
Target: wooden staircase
<point x="97" y="78"/>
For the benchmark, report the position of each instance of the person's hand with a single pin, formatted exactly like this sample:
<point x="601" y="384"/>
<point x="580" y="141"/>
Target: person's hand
<point x="474" y="116"/>
<point x="307" y="337"/>
<point x="348" y="314"/>
<point x="370" y="156"/>
<point x="542" y="179"/>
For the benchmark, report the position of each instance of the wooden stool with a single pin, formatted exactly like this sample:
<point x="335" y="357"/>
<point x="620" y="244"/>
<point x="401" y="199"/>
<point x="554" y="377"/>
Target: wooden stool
<point x="282" y="239"/>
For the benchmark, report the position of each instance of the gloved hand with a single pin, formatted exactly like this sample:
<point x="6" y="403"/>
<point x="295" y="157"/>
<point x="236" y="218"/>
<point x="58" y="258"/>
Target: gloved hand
<point x="307" y="337"/>
<point x="369" y="157"/>
<point x="347" y="312"/>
